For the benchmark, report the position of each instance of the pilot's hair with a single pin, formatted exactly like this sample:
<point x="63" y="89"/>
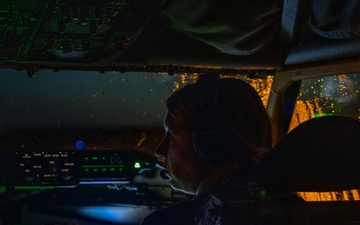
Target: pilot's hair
<point x="241" y="113"/>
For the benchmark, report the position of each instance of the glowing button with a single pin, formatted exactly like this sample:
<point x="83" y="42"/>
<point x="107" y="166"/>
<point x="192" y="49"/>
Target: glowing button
<point x="80" y="145"/>
<point x="137" y="165"/>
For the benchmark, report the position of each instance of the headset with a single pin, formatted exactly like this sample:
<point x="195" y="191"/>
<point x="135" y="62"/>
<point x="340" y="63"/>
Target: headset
<point x="209" y="137"/>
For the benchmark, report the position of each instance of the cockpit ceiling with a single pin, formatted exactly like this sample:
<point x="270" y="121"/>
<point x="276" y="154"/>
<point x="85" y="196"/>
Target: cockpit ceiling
<point x="108" y="35"/>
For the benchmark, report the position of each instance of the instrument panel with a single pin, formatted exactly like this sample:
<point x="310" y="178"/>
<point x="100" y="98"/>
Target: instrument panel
<point x="68" y="168"/>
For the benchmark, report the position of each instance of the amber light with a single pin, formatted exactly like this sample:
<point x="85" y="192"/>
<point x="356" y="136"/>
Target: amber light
<point x="261" y="85"/>
<point x="351" y="195"/>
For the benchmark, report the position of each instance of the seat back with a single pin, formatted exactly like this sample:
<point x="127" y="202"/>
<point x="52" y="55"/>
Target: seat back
<point x="322" y="154"/>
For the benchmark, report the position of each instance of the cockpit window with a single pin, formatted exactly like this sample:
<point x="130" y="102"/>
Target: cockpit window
<point x="331" y="95"/>
<point x="109" y="110"/>
<point x="83" y="99"/>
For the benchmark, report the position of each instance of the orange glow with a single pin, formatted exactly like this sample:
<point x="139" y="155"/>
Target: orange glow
<point x="351" y="195"/>
<point x="261" y="85"/>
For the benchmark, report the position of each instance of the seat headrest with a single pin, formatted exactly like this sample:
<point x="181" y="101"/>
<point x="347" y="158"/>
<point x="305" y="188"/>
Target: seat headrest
<point x="321" y="154"/>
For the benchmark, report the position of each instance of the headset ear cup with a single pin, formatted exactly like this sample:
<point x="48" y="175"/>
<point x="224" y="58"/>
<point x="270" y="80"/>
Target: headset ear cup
<point x="209" y="138"/>
<point x="209" y="141"/>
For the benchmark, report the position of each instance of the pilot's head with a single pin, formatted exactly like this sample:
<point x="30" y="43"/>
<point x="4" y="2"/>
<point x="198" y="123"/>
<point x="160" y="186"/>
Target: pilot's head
<point x="216" y="130"/>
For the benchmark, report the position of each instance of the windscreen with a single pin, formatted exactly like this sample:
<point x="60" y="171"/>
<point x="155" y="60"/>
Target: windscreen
<point x="109" y="110"/>
<point x="330" y="95"/>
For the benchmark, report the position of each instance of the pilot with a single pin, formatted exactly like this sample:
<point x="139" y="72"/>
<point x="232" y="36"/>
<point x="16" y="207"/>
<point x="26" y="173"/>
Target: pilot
<point x="217" y="131"/>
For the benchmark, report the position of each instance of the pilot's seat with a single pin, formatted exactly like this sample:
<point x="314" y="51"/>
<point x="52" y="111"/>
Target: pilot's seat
<point x="320" y="155"/>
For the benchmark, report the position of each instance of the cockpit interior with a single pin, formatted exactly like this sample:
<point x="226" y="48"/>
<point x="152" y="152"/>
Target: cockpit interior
<point x="83" y="86"/>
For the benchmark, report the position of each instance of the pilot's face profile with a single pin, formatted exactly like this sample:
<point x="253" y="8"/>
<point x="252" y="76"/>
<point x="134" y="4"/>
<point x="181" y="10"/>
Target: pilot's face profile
<point x="183" y="166"/>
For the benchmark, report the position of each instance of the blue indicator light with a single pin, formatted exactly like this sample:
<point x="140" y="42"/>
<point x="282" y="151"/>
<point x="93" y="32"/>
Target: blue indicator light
<point x="80" y="145"/>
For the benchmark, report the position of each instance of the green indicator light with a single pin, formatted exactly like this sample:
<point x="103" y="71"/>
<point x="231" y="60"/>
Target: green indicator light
<point x="137" y="165"/>
<point x="317" y="115"/>
<point x="263" y="193"/>
<point x="86" y="158"/>
<point x="104" y="158"/>
<point x="103" y="169"/>
<point x="94" y="158"/>
<point x="95" y="170"/>
<point x="87" y="170"/>
<point x="120" y="169"/>
<point x="2" y="189"/>
<point x="27" y="187"/>
<point x="112" y="169"/>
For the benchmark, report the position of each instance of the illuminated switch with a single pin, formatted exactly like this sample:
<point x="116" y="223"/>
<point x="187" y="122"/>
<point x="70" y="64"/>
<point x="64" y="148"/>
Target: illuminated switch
<point x="137" y="165"/>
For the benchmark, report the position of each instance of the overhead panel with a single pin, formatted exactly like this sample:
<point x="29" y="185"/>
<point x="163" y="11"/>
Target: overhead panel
<point x="41" y="31"/>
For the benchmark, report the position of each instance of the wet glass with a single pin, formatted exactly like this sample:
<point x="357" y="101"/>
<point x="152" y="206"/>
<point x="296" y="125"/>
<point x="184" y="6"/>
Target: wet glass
<point x="331" y="95"/>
